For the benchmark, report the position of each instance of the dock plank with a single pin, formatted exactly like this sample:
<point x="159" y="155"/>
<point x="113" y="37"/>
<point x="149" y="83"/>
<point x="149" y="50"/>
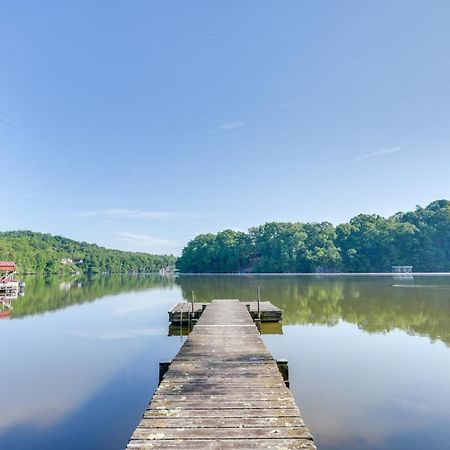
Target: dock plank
<point x="221" y="422"/>
<point x="240" y="444"/>
<point x="223" y="390"/>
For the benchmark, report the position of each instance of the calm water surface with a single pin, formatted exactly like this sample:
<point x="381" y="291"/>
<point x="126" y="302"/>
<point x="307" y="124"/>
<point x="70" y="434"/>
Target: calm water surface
<point x="369" y="356"/>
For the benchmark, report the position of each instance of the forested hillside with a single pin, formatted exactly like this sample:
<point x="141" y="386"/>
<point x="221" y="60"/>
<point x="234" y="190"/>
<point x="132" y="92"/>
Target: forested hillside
<point x="368" y="243"/>
<point x="44" y="254"/>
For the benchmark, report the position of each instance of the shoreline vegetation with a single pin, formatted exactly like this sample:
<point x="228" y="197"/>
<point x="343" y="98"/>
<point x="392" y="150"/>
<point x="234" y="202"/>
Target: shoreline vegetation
<point x="44" y="254"/>
<point x="366" y="244"/>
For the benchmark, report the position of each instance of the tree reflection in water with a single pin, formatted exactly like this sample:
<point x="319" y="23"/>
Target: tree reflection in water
<point x="376" y="304"/>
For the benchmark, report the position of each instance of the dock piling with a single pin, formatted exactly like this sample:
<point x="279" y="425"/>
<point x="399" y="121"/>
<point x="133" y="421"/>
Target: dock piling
<point x="284" y="370"/>
<point x="163" y="368"/>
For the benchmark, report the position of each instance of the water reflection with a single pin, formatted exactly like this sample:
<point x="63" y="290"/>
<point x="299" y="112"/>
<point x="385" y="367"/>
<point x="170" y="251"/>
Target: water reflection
<point x="81" y="376"/>
<point x="417" y="305"/>
<point x="375" y="304"/>
<point x="53" y="293"/>
<point x="6" y="305"/>
<point x="362" y="367"/>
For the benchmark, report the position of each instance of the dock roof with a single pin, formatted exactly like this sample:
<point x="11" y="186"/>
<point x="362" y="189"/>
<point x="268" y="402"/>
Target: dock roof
<point x="7" y="266"/>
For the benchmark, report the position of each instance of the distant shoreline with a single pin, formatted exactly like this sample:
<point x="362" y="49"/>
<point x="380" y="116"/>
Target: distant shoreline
<point x="404" y="275"/>
<point x="231" y="274"/>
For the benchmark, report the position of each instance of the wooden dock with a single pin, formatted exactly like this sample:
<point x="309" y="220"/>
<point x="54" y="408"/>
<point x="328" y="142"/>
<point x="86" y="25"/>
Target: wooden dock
<point x="222" y="391"/>
<point x="267" y="311"/>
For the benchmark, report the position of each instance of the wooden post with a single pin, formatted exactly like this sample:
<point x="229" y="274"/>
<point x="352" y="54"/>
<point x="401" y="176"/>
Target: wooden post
<point x="163" y="368"/>
<point x="191" y="314"/>
<point x="181" y="322"/>
<point x="194" y="319"/>
<point x="284" y="370"/>
<point x="258" y="314"/>
<point x="259" y="299"/>
<point x="188" y="317"/>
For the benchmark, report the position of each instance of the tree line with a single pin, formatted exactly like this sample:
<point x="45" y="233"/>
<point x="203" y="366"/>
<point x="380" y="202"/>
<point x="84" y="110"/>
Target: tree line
<point x="39" y="253"/>
<point x="367" y="243"/>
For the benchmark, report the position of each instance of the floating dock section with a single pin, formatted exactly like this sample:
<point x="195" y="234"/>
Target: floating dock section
<point x="267" y="311"/>
<point x="223" y="390"/>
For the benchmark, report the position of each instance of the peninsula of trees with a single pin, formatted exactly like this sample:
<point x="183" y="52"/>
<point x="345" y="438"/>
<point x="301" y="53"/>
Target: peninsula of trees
<point x="40" y="253"/>
<point x="368" y="243"/>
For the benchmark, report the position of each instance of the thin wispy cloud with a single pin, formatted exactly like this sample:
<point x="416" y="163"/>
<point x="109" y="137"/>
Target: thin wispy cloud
<point x="227" y="126"/>
<point x="377" y="154"/>
<point x="231" y="125"/>
<point x="120" y="213"/>
<point x="147" y="243"/>
<point x="287" y="105"/>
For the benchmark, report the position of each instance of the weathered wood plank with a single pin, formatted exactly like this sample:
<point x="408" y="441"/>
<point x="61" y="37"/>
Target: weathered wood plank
<point x="212" y="404"/>
<point x="230" y="395"/>
<point x="240" y="444"/>
<point x="225" y="389"/>
<point x="219" y="381"/>
<point x="221" y="422"/>
<point x="222" y="413"/>
<point x="269" y="432"/>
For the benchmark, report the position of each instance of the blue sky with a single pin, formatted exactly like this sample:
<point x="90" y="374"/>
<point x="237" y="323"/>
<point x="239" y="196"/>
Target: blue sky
<point x="138" y="125"/>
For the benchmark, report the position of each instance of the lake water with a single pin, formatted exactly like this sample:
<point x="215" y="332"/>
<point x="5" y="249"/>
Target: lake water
<point x="369" y="356"/>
